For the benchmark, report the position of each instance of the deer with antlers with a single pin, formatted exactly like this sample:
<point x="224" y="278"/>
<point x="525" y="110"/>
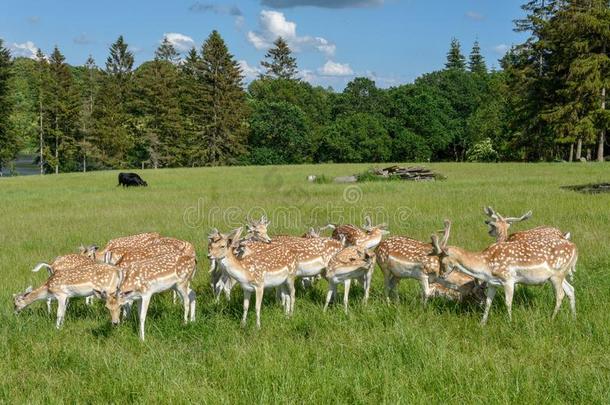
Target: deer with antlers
<point x="147" y="277"/>
<point x="499" y="225"/>
<point x="368" y="237"/>
<point x="273" y="267"/>
<point x="83" y="281"/>
<point x="353" y="262"/>
<point x="531" y="261"/>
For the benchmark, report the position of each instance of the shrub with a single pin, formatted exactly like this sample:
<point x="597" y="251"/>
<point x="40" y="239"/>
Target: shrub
<point x="482" y="151"/>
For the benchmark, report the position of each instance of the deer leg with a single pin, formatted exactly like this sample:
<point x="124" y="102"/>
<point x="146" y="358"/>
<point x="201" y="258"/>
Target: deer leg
<point x="143" y="311"/>
<point x="89" y="300"/>
<point x="49" y="305"/>
<point x="62" y="303"/>
<point x="332" y="290"/>
<point x="509" y="289"/>
<point x="292" y="292"/>
<point x="259" y="302"/>
<point x="247" y="295"/>
<point x="489" y="293"/>
<point x="182" y="289"/>
<point x="569" y="290"/>
<point x="347" y="283"/>
<point x="559" y="294"/>
<point x="127" y="310"/>
<point x="425" y="286"/>
<point x="368" y="277"/>
<point x="192" y="303"/>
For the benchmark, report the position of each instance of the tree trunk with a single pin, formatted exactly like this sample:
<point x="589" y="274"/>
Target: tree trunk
<point x="578" y="149"/>
<point x="588" y="154"/>
<point x="84" y="163"/>
<point x="602" y="134"/>
<point x="571" y="158"/>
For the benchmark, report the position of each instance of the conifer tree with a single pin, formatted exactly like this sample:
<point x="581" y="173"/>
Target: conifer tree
<point x="62" y="106"/>
<point x="86" y="141"/>
<point x="455" y="59"/>
<point x="167" y="52"/>
<point x="113" y="126"/>
<point x="41" y="85"/>
<point x="280" y="63"/>
<point x="8" y="142"/>
<point x="222" y="122"/>
<point x="476" y="62"/>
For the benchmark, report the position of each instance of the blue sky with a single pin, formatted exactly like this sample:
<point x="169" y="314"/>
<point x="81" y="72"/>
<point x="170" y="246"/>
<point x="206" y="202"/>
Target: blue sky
<point x="391" y="41"/>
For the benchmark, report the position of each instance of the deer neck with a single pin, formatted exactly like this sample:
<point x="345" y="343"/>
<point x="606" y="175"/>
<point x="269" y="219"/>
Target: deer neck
<point x="233" y="267"/>
<point x="38" y="294"/>
<point x="502" y="233"/>
<point x="470" y="263"/>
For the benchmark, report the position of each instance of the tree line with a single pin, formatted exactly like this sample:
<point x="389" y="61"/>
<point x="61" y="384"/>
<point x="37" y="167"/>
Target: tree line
<point x="546" y="102"/>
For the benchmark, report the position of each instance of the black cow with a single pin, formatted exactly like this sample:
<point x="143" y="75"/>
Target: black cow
<point x="131" y="179"/>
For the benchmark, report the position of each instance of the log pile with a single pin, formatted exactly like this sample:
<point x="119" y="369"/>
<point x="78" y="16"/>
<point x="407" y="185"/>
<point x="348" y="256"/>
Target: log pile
<point x="414" y="173"/>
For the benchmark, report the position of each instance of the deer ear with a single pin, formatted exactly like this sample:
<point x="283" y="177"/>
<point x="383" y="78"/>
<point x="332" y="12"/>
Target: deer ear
<point x="28" y="290"/>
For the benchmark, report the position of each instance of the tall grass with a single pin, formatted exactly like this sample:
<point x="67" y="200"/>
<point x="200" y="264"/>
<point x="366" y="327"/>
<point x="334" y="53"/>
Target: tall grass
<point x="401" y="352"/>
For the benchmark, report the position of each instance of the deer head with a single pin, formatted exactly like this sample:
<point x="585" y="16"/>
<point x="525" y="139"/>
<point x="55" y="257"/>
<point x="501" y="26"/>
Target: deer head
<point x="20" y="301"/>
<point x="257" y="230"/>
<point x="498" y="225"/>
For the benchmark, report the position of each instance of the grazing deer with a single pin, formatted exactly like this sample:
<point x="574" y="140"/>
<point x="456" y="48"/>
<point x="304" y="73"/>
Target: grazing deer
<point x="504" y="264"/>
<point x="498" y="227"/>
<point x="352" y="262"/>
<point x="83" y="281"/>
<point x="402" y="257"/>
<point x="368" y="237"/>
<point x="275" y="267"/>
<point x="147" y="277"/>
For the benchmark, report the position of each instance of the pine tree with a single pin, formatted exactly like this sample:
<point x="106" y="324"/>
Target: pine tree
<point x="191" y="106"/>
<point x="455" y="59"/>
<point x="62" y="106"/>
<point x="113" y="125"/>
<point x="167" y="52"/>
<point x="8" y="142"/>
<point x="280" y="63"/>
<point x="476" y="62"/>
<point x="156" y="106"/>
<point x="222" y="122"/>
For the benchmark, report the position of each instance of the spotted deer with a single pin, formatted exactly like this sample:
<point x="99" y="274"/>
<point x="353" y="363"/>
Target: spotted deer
<point x="499" y="225"/>
<point x="504" y="264"/>
<point x="402" y="257"/>
<point x="83" y="281"/>
<point x="368" y="237"/>
<point x="275" y="267"/>
<point x="147" y="277"/>
<point x="352" y="262"/>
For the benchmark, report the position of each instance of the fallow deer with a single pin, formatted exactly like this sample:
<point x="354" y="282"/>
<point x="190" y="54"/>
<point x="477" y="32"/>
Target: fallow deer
<point x="352" y="262"/>
<point x="275" y="267"/>
<point x="147" y="277"/>
<point x="504" y="264"/>
<point x="402" y="257"/>
<point x="499" y="225"/>
<point x="368" y="237"/>
<point x="83" y="281"/>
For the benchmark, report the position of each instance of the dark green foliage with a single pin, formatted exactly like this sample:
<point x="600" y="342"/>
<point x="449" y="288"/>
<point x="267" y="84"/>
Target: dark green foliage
<point x="167" y="52"/>
<point x="221" y="124"/>
<point x="279" y="63"/>
<point x="476" y="62"/>
<point x="9" y="145"/>
<point x="360" y="137"/>
<point x="455" y="59"/>
<point x="279" y="134"/>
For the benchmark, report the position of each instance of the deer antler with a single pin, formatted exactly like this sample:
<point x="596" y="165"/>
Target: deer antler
<point x="492" y="213"/>
<point x="436" y="249"/>
<point x="446" y="232"/>
<point x="368" y="224"/>
<point x="523" y="217"/>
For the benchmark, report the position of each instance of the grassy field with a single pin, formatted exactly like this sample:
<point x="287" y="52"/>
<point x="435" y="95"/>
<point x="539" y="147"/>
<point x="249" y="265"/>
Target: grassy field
<point x="380" y="353"/>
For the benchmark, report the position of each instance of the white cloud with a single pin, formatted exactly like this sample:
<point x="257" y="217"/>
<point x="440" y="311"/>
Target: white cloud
<point x="321" y="3"/>
<point x="331" y="68"/>
<point x="181" y="42"/>
<point x="250" y="72"/>
<point x="501" y="48"/>
<point x="473" y="15"/>
<point x="26" y="49"/>
<point x="273" y="24"/>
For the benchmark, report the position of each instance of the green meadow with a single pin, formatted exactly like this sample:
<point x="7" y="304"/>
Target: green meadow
<point x="379" y="353"/>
